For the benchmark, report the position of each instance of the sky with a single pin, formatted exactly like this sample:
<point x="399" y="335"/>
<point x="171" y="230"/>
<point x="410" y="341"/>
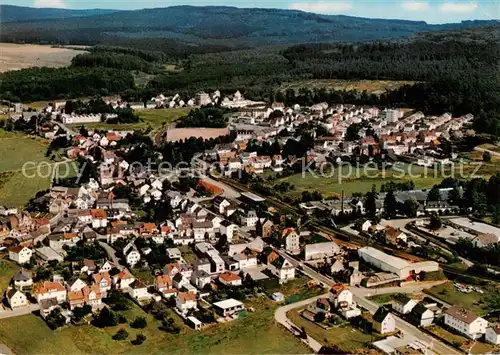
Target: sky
<point x="432" y="11"/>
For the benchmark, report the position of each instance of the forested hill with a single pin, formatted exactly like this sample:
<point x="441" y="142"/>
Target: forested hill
<point x="214" y="25"/>
<point x="12" y="13"/>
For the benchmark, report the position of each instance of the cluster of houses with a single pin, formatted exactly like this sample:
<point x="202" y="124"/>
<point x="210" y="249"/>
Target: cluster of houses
<point x="412" y="138"/>
<point x="457" y="318"/>
<point x="349" y="205"/>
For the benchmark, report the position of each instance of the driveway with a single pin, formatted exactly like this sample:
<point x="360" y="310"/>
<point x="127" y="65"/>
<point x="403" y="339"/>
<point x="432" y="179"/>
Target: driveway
<point x="281" y="318"/>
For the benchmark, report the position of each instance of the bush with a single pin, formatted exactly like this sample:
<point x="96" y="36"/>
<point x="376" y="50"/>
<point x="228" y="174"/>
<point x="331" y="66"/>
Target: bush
<point x="122" y="334"/>
<point x="319" y="317"/>
<point x="139" y="323"/>
<point x="141" y="338"/>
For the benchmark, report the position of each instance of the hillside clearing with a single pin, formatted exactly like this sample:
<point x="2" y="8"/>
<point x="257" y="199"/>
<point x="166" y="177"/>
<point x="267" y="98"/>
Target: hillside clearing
<point x="20" y="56"/>
<point x="371" y="86"/>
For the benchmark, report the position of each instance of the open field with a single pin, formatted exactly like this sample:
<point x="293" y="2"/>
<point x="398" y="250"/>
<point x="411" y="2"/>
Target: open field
<point x="7" y="270"/>
<point x="20" y="56"/>
<point x="256" y="334"/>
<point x="351" y="179"/>
<point x="15" y="150"/>
<point x="371" y="86"/>
<point x="473" y="301"/>
<point x="348" y="339"/>
<point x="361" y="179"/>
<point x="150" y="118"/>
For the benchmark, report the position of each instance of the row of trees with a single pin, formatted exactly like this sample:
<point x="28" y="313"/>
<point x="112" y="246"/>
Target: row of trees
<point x="208" y="117"/>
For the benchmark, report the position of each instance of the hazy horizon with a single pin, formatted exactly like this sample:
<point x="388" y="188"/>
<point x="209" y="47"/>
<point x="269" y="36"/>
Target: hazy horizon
<point x="430" y="11"/>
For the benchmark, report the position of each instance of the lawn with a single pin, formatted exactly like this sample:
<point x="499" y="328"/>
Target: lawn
<point x="187" y="253"/>
<point x="347" y="338"/>
<point x="460" y="341"/>
<point x="256" y="334"/>
<point x="149" y="118"/>
<point x="7" y="270"/>
<point x="383" y="299"/>
<point x="351" y="179"/>
<point x="361" y="179"/>
<point x="16" y="149"/>
<point x="145" y="275"/>
<point x="294" y="290"/>
<point x="473" y="301"/>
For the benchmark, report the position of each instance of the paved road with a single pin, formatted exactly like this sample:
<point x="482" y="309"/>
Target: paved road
<point x="68" y="130"/>
<point x="229" y="192"/>
<point x="19" y="312"/>
<point x="281" y="318"/>
<point x="360" y="295"/>
<point x="111" y="254"/>
<point x="487" y="150"/>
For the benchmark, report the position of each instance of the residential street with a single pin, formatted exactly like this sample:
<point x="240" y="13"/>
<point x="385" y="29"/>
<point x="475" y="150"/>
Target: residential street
<point x="111" y="254"/>
<point x="19" y="312"/>
<point x="281" y="318"/>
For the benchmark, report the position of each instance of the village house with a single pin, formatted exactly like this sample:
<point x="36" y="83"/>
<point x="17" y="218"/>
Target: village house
<point x="493" y="334"/>
<point x="291" y="240"/>
<point x="465" y="322"/>
<point x="403" y="304"/>
<point x="280" y="267"/>
<point x="103" y="281"/>
<point x="23" y="280"/>
<point x="50" y="289"/>
<point x="228" y="307"/>
<point x="123" y="280"/>
<point x="16" y="298"/>
<point x="229" y="279"/>
<point x="131" y="254"/>
<point x="20" y="254"/>
<point x="86" y="296"/>
<point x="185" y="301"/>
<point x="164" y="284"/>
<point x="383" y="321"/>
<point x="421" y="316"/>
<point x="139" y="291"/>
<point x="99" y="218"/>
<point x="75" y="284"/>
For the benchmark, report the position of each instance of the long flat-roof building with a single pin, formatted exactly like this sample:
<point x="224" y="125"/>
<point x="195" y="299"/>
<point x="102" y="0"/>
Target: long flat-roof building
<point x="395" y="265"/>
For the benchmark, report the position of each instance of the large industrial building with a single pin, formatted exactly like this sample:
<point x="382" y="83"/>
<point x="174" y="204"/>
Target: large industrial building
<point x="402" y="268"/>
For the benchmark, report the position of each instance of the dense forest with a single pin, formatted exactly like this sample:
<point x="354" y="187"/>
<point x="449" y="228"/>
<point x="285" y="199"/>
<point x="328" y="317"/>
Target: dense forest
<point x="422" y="57"/>
<point x="214" y="25"/>
<point x="50" y="83"/>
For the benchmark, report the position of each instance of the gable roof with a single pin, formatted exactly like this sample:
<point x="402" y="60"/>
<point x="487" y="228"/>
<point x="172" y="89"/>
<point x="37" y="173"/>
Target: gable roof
<point x="229" y="276"/>
<point x="22" y="275"/>
<point x="48" y="286"/>
<point x="461" y="314"/>
<point x="381" y="314"/>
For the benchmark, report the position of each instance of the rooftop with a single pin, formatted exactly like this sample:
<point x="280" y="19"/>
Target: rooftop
<point x="229" y="303"/>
